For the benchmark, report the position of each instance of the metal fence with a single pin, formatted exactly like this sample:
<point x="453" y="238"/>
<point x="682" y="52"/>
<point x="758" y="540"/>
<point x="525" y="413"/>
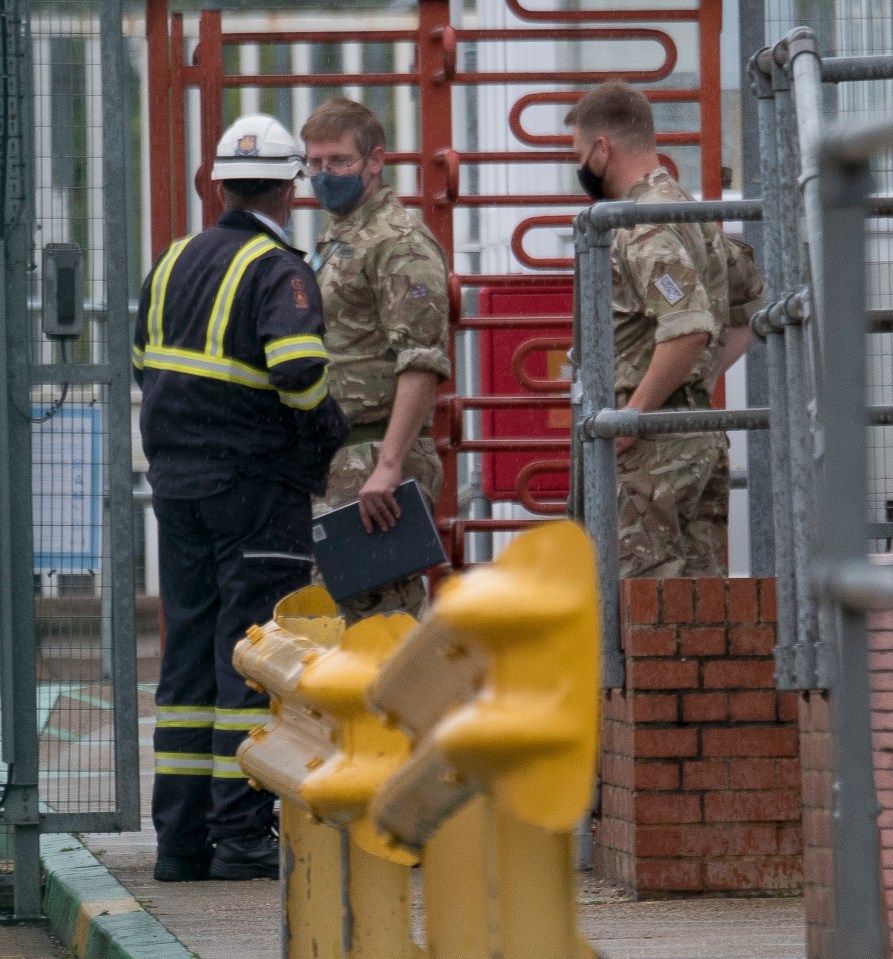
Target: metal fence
<point x="67" y="639"/>
<point x="791" y="82"/>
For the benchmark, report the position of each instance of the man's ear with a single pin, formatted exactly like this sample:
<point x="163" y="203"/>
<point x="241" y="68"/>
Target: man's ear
<point x="376" y="160"/>
<point x="218" y="189"/>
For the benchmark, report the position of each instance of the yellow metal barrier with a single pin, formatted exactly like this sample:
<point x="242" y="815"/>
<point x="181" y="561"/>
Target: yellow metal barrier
<point x="346" y="891"/>
<point x="498" y="690"/>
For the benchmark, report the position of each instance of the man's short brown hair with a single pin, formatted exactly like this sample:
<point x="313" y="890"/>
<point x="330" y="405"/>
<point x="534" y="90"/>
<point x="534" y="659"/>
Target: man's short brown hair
<point x="617" y="109"/>
<point x="338" y="116"/>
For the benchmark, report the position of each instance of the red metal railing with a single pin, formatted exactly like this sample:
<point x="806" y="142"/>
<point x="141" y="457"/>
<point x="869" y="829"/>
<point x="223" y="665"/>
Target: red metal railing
<point x="435" y="75"/>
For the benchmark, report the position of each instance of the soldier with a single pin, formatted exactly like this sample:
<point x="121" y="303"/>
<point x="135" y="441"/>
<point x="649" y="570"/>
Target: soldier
<point x="383" y="281"/>
<point x="683" y="295"/>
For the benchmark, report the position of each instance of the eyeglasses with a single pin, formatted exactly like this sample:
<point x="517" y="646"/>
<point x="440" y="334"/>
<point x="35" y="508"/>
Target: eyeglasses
<point x="333" y="164"/>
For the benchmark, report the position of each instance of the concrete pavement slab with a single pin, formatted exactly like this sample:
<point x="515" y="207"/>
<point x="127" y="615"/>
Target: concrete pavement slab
<point x="105" y="903"/>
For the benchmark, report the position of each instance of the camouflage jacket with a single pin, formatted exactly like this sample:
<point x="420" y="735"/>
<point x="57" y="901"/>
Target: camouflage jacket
<point x="671" y="280"/>
<point x="383" y="282"/>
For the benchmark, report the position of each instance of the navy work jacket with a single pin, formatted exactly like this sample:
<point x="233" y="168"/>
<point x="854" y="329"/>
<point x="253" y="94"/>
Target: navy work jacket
<point x="230" y="356"/>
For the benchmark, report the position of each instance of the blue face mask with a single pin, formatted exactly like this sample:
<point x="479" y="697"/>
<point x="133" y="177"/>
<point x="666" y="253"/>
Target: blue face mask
<point x="337" y="194"/>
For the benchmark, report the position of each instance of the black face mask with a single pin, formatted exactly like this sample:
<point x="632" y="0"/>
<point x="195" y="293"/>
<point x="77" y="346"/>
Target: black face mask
<point x="591" y="183"/>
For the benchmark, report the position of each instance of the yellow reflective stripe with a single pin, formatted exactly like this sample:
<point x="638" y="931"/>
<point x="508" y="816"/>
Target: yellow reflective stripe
<point x="201" y="364"/>
<point x="158" y="290"/>
<point x="240" y="719"/>
<point x="227" y="767"/>
<point x="187" y="712"/>
<point x="295" y="348"/>
<point x="223" y="303"/>
<point x="184" y="764"/>
<point x="307" y="399"/>
<point x="137" y="357"/>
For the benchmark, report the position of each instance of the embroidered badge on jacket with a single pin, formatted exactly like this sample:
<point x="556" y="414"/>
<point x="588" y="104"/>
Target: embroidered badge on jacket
<point x="300" y="291"/>
<point x="669" y="289"/>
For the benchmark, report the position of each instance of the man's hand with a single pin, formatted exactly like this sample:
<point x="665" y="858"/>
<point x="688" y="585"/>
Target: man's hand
<point x="378" y="505"/>
<point x="623" y="443"/>
<point x="414" y="398"/>
<point x="670" y="366"/>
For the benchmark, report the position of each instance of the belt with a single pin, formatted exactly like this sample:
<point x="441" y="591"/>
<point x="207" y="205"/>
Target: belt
<point x="687" y="397"/>
<point x="371" y="432"/>
<point x="682" y="398"/>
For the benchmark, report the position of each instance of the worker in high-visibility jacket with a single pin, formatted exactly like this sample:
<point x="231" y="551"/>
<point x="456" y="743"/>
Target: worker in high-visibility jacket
<point x="239" y="430"/>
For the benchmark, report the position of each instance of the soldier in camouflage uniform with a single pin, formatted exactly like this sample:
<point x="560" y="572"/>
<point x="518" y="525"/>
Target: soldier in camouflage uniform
<point x="383" y="281"/>
<point x="683" y="295"/>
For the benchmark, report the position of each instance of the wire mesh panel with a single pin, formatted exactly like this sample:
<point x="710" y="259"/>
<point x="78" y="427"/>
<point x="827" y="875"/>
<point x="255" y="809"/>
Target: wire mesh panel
<point x="81" y="502"/>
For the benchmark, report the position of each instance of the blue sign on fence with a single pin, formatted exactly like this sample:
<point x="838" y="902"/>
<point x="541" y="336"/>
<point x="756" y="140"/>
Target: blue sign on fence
<point x="67" y="482"/>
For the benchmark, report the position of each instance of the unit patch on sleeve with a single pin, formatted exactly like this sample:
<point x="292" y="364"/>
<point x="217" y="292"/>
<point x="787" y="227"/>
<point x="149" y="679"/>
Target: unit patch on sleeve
<point x="669" y="289"/>
<point x="300" y="291"/>
<point x="418" y="291"/>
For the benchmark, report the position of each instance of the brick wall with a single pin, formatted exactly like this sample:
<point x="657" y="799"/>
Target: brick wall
<point x="700" y="771"/>
<point x="815" y="746"/>
<point x="880" y="645"/>
<point x="815" y="753"/>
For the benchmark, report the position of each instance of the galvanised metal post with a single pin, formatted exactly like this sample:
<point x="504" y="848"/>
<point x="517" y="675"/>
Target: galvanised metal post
<point x="786" y="170"/>
<point x="599" y="456"/>
<point x="120" y="629"/>
<point x="759" y="474"/>
<point x="576" y="506"/>
<point x="20" y="809"/>
<point x="785" y="677"/>
<point x="805" y="67"/>
<point x="790" y="313"/>
<point x="860" y="927"/>
<point x="761" y="70"/>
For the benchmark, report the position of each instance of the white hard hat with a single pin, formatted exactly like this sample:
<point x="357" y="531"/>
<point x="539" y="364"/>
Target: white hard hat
<point x="257" y="147"/>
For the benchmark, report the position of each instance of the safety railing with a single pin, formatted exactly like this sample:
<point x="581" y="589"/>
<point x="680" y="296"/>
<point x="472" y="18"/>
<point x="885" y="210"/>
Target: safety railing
<point x="466" y="742"/>
<point x="596" y="422"/>
<point x="843" y="578"/>
<point x="787" y="81"/>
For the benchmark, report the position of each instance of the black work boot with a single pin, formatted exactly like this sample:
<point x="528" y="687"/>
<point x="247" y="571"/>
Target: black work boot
<point x="246" y="857"/>
<point x="192" y="868"/>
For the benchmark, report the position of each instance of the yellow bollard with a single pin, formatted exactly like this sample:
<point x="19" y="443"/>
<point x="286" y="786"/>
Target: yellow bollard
<point x="378" y="924"/>
<point x="281" y="754"/>
<point x="503" y="698"/>
<point x="346" y="890"/>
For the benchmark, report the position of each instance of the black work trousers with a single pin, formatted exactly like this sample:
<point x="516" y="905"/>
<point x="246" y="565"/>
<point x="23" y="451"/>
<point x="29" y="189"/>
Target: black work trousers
<point x="224" y="563"/>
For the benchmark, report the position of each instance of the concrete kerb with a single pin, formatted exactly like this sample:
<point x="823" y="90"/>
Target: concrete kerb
<point x="93" y="914"/>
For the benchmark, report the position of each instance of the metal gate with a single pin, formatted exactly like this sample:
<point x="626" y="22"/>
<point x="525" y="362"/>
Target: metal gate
<point x="67" y="660"/>
<point x="462" y="182"/>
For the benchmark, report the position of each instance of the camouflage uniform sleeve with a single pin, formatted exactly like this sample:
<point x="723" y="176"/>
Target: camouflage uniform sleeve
<point x="745" y="282"/>
<point x="667" y="285"/>
<point x="412" y="298"/>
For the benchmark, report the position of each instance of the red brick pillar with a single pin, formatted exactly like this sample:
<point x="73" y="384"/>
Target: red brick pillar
<point x="818" y="777"/>
<point x="700" y="772"/>
<point x="815" y="757"/>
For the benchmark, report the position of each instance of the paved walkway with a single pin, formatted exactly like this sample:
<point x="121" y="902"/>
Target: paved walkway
<point x="104" y="902"/>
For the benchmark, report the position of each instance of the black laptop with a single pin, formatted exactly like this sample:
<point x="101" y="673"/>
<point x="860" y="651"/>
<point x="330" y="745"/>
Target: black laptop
<point x="352" y="561"/>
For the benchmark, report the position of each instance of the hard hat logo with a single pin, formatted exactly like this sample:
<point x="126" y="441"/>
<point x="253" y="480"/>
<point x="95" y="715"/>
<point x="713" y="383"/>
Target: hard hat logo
<point x="247" y="146"/>
<point x="257" y="147"/>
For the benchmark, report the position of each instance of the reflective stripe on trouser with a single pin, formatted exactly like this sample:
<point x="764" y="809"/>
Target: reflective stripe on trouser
<point x="224" y="563"/>
<point x="673" y="506"/>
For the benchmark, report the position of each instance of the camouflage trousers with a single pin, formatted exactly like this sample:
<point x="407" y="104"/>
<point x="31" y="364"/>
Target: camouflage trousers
<point x="350" y="469"/>
<point x="673" y="506"/>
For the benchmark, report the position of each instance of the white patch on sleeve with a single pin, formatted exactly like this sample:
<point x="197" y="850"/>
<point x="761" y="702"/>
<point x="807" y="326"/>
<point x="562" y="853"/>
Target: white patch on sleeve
<point x="669" y="289"/>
